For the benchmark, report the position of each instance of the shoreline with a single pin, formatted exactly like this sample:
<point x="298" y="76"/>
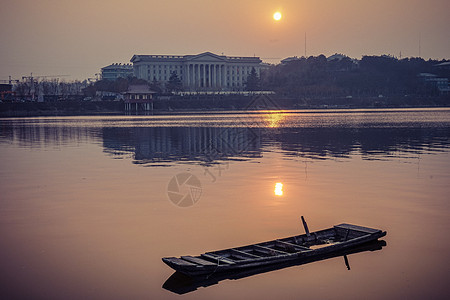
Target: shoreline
<point x="20" y="114"/>
<point x="214" y="106"/>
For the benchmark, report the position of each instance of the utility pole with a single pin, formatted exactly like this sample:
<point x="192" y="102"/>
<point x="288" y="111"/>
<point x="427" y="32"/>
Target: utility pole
<point x="305" y="45"/>
<point x="419" y="46"/>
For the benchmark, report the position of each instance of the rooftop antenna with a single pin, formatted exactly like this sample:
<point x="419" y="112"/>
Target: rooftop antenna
<point x="419" y="45"/>
<point x="305" y="44"/>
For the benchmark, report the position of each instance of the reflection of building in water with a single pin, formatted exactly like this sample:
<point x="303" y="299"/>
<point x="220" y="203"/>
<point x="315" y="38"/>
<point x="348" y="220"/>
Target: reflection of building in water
<point x="43" y="136"/>
<point x="371" y="143"/>
<point x="166" y="144"/>
<point x="209" y="144"/>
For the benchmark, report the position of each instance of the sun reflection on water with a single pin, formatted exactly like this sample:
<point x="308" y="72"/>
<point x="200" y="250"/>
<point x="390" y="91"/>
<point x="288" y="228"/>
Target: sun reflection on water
<point x="273" y="120"/>
<point x="278" y="189"/>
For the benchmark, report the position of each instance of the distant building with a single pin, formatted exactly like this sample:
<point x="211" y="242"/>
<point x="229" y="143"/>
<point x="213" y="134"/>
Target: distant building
<point x="444" y="65"/>
<point x="339" y="58"/>
<point x="138" y="97"/>
<point x="289" y="59"/>
<point x="114" y="71"/>
<point x="336" y="56"/>
<point x="6" y="92"/>
<point x="106" y="95"/>
<point x="441" y="84"/>
<point x="202" y="72"/>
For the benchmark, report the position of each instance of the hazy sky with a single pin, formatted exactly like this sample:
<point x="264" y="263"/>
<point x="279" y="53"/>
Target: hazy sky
<point x="78" y="37"/>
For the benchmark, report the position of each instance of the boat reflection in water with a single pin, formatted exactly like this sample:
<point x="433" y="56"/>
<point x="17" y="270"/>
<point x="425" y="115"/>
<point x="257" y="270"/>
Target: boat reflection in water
<point x="180" y="283"/>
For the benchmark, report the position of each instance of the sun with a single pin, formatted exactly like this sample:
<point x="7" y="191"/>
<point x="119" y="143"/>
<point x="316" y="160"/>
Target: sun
<point x="277" y="16"/>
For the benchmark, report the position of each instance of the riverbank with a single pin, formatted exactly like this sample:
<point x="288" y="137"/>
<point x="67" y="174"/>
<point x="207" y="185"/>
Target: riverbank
<point x="217" y="103"/>
<point x="66" y="108"/>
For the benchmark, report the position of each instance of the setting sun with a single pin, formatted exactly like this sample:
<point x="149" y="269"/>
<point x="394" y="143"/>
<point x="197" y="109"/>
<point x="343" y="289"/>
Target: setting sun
<point x="277" y="16"/>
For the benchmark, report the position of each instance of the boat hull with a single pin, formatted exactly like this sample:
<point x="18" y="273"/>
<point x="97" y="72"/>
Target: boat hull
<point x="295" y="248"/>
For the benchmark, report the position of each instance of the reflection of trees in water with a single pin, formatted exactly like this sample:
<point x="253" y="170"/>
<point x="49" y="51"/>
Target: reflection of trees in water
<point x="167" y="144"/>
<point x="209" y="144"/>
<point x="38" y="136"/>
<point x="212" y="144"/>
<point x="371" y="143"/>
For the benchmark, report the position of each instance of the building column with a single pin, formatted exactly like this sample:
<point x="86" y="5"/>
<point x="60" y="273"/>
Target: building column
<point x="224" y="77"/>
<point x="192" y="73"/>
<point x="202" y="75"/>
<point x="241" y="76"/>
<point x="191" y="77"/>
<point x="187" y="77"/>
<point x="207" y="75"/>
<point x="213" y="75"/>
<point x="205" y="78"/>
<point x="196" y="75"/>
<point x="220" y="76"/>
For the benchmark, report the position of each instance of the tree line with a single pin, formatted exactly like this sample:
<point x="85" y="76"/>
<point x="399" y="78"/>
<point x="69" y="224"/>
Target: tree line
<point x="317" y="76"/>
<point x="304" y="77"/>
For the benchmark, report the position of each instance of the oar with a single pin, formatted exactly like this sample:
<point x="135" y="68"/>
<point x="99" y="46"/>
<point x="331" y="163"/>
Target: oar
<point x="306" y="227"/>
<point x="346" y="262"/>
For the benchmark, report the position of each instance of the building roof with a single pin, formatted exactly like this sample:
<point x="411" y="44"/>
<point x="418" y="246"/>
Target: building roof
<point x="336" y="56"/>
<point x="139" y="89"/>
<point x="204" y="55"/>
<point x="426" y="75"/>
<point x="289" y="59"/>
<point x="444" y="64"/>
<point x="115" y="66"/>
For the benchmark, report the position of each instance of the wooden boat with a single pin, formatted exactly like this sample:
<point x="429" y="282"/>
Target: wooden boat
<point x="180" y="283"/>
<point x="295" y="248"/>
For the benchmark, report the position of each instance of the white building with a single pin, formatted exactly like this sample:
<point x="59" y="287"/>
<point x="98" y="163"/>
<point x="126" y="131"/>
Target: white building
<point x="203" y="72"/>
<point x="114" y="71"/>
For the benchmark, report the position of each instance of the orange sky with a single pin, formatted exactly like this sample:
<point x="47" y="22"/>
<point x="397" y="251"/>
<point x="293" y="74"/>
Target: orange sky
<point x="77" y="38"/>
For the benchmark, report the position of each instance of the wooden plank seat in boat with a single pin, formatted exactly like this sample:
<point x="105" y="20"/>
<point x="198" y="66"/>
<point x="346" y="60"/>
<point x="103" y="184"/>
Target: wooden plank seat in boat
<point x="243" y="255"/>
<point x="288" y="246"/>
<point x="217" y="258"/>
<point x="268" y="250"/>
<point x="179" y="261"/>
<point x="197" y="261"/>
<point x="357" y="228"/>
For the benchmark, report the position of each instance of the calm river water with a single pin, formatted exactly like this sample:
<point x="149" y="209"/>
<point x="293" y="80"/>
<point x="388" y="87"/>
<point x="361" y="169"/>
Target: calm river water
<point x="90" y="205"/>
